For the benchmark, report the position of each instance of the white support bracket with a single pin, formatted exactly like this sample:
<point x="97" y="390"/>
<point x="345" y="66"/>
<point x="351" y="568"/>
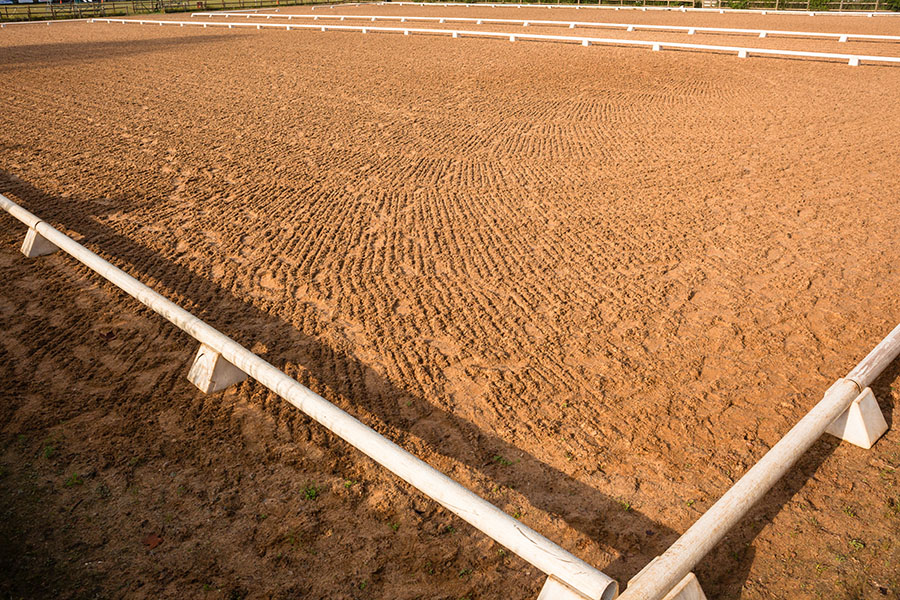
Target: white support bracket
<point x="554" y="589"/>
<point x="862" y="423"/>
<point x="37" y="245"/>
<point x="212" y="373"/>
<point x="686" y="589"/>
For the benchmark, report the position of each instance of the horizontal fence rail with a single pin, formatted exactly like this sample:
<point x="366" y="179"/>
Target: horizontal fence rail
<point x="484" y="516"/>
<point x="659" y="577"/>
<point x="811" y="13"/>
<point x="851" y="59"/>
<point x="72" y="11"/>
<point x="629" y="27"/>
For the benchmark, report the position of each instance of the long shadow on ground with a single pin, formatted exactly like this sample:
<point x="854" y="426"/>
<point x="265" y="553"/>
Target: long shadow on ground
<point x="635" y="537"/>
<point x="61" y="53"/>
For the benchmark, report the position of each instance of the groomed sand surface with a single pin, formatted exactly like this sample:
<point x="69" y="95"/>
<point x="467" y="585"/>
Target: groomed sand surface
<point x="594" y="285"/>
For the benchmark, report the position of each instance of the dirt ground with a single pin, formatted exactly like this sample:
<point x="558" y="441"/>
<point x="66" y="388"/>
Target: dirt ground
<point x="593" y="285"/>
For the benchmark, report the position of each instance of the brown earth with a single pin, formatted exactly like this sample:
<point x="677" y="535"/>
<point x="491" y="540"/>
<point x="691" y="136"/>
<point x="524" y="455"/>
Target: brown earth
<point x="594" y="285"/>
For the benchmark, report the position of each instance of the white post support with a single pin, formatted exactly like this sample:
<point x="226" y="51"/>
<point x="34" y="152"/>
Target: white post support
<point x="37" y="245"/>
<point x="512" y="38"/>
<point x="212" y="373"/>
<point x="686" y="589"/>
<point x="571" y="25"/>
<point x="662" y="575"/>
<point x="555" y="589"/>
<point x="585" y="42"/>
<point x="455" y="34"/>
<point x="691" y="32"/>
<point x="481" y="514"/>
<point x="843" y="38"/>
<point x="854" y="61"/>
<point x="742" y="54"/>
<point x="862" y="423"/>
<point x="630" y="28"/>
<point x="657" y="47"/>
<point x="762" y="34"/>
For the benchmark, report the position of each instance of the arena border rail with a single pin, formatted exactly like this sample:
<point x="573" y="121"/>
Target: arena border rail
<point x="629" y="27"/>
<point x="852" y="59"/>
<point x="221" y="362"/>
<point x="848" y="411"/>
<point x="809" y="13"/>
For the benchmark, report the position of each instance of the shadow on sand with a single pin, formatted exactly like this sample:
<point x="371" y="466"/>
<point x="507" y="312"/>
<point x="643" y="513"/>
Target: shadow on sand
<point x="636" y="538"/>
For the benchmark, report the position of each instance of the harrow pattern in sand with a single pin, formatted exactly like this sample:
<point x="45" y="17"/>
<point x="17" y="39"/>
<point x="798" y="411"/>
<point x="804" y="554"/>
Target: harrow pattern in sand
<point x="591" y="286"/>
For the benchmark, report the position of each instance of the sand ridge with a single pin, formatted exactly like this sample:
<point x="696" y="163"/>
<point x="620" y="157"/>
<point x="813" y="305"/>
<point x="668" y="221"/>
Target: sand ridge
<point x="594" y="287"/>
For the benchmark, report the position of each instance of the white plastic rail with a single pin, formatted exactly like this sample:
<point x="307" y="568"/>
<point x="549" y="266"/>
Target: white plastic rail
<point x="810" y="13"/>
<point x="851" y="59"/>
<point x="841" y="37"/>
<point x="556" y="562"/>
<point x="661" y="575"/>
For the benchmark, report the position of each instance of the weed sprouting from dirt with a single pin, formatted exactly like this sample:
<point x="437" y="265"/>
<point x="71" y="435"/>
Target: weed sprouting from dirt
<point x="503" y="462"/>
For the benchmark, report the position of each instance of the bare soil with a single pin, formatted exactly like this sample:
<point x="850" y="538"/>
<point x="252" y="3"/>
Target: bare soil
<point x="594" y="285"/>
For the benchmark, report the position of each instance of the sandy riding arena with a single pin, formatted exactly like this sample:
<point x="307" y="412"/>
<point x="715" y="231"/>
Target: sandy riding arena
<point x="592" y="283"/>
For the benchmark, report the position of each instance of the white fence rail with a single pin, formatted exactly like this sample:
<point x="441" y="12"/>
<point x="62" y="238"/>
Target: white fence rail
<point x="851" y="59"/>
<point x="848" y="410"/>
<point x="629" y="27"/>
<point x="556" y="562"/>
<point x="810" y="13"/>
<point x="661" y="575"/>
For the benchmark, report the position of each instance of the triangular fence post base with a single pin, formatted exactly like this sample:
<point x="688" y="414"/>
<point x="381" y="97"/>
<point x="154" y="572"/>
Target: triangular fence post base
<point x="37" y="245"/>
<point x="862" y="423"/>
<point x="212" y="373"/>
<point x="686" y="589"/>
